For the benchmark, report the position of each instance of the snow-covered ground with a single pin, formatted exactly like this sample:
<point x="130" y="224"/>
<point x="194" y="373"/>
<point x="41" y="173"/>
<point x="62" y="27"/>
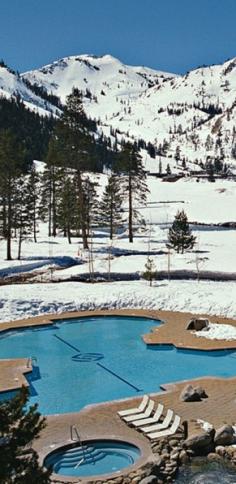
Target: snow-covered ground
<point x="204" y="202"/>
<point x="218" y="331"/>
<point x="22" y="301"/>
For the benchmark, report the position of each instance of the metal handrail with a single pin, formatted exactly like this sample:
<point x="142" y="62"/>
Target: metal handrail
<point x="73" y="428"/>
<point x="79" y="463"/>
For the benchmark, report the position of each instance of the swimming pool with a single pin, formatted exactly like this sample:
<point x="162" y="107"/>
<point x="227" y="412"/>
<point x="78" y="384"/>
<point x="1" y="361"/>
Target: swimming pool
<point x="92" y="360"/>
<point x="96" y="457"/>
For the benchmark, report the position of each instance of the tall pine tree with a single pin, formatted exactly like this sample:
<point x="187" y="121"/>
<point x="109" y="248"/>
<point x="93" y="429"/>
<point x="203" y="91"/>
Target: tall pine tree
<point x="12" y="165"/>
<point x="77" y="147"/>
<point x="134" y="183"/>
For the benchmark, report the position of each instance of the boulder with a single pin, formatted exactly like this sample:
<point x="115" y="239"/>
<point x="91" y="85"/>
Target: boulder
<point x="188" y="394"/>
<point x="201" y="443"/>
<point x="149" y="480"/>
<point x="197" y="324"/>
<point x="224" y="435"/>
<point x="201" y="392"/>
<point x="192" y="394"/>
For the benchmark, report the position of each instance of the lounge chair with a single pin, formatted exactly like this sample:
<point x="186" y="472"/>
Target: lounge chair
<point x="165" y="433"/>
<point x="138" y="409"/>
<point x="142" y="415"/>
<point x="161" y="426"/>
<point x="150" y="420"/>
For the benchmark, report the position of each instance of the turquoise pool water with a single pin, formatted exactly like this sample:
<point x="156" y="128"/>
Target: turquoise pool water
<point x="95" y="360"/>
<point x="93" y="458"/>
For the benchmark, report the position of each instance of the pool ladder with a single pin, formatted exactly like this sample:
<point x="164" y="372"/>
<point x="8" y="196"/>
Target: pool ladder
<point x="74" y="432"/>
<point x="31" y="361"/>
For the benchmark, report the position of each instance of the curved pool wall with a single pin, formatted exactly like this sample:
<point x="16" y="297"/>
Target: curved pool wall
<point x="94" y="457"/>
<point x="92" y="360"/>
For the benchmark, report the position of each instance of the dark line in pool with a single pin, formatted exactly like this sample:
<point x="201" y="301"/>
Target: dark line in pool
<point x="101" y="366"/>
<point x="119" y="377"/>
<point x="66" y="343"/>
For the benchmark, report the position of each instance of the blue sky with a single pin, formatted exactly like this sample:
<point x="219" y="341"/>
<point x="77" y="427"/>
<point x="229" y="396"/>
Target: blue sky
<point x="172" y="35"/>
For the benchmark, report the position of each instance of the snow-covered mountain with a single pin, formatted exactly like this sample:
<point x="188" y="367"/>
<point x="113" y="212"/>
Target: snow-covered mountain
<point x="188" y="118"/>
<point x="194" y="112"/>
<point x="12" y="85"/>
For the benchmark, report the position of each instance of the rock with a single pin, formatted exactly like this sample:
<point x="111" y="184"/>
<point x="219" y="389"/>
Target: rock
<point x="174" y="455"/>
<point x="197" y="324"/>
<point x="183" y="457"/>
<point x="165" y="456"/>
<point x="188" y="394"/>
<point x="149" y="480"/>
<point x="220" y="450"/>
<point x="201" y="443"/>
<point x="224" y="435"/>
<point x="201" y="392"/>
<point x="213" y="457"/>
<point x="173" y="443"/>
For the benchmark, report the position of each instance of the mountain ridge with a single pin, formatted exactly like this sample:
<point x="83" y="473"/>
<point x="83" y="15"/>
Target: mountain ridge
<point x="189" y="119"/>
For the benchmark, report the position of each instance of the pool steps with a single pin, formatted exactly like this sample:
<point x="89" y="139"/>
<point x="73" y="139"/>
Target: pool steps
<point x="82" y="456"/>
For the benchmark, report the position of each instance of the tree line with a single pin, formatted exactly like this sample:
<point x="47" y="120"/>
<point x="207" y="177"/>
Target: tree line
<point x="64" y="195"/>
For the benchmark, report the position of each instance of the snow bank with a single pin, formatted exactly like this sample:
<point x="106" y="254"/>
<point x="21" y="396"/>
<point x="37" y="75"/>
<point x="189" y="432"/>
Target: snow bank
<point x="24" y="301"/>
<point x="218" y="331"/>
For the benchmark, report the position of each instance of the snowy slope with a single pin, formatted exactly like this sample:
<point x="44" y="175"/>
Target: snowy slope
<point x="96" y="74"/>
<point x="12" y="85"/>
<point x="195" y="112"/>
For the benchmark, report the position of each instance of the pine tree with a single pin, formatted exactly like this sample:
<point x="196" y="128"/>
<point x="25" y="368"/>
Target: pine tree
<point x="110" y="207"/>
<point x="19" y="426"/>
<point x="134" y="183"/>
<point x="50" y="183"/>
<point x="23" y="216"/>
<point x="12" y="165"/>
<point x="150" y="272"/>
<point x="89" y="211"/>
<point x="180" y="237"/>
<point x="33" y="188"/>
<point x="77" y="147"/>
<point x="67" y="211"/>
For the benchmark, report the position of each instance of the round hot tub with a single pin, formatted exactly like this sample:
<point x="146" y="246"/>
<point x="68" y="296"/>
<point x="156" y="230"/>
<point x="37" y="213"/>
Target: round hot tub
<point x="93" y="457"/>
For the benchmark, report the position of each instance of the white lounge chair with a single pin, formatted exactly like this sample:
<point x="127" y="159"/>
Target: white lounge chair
<point x="145" y="414"/>
<point x="166" y="432"/>
<point x="150" y="420"/>
<point x="138" y="409"/>
<point x="161" y="426"/>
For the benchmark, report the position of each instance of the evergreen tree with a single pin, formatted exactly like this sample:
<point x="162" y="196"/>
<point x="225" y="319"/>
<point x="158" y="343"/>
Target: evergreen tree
<point x="30" y="129"/>
<point x="22" y="214"/>
<point x="90" y="204"/>
<point x="150" y="272"/>
<point x="12" y="165"/>
<point x="110" y="207"/>
<point x="134" y="183"/>
<point x="77" y="147"/>
<point x="177" y="153"/>
<point x="33" y="188"/>
<point x="180" y="237"/>
<point x="19" y="426"/>
<point x="67" y="207"/>
<point x="50" y="183"/>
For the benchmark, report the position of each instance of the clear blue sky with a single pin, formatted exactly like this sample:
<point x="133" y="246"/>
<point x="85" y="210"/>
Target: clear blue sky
<point x="172" y="35"/>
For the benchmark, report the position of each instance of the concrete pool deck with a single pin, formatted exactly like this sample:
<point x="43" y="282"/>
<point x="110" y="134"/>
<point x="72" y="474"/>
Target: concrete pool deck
<point x="101" y="420"/>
